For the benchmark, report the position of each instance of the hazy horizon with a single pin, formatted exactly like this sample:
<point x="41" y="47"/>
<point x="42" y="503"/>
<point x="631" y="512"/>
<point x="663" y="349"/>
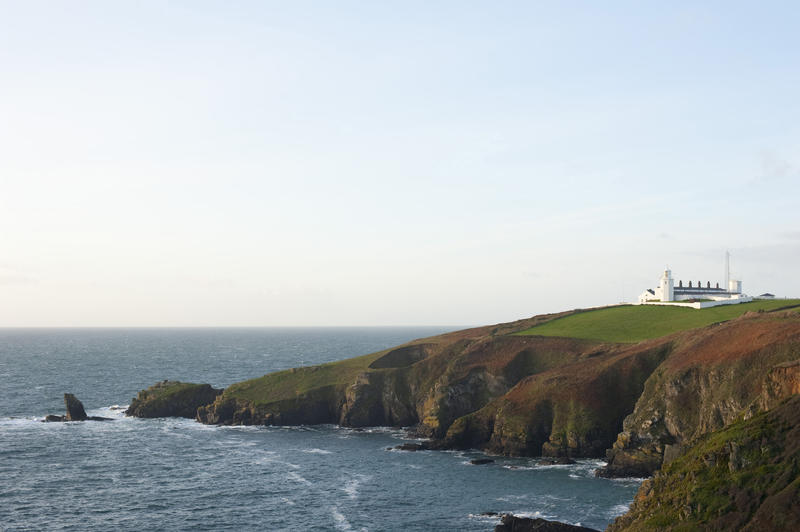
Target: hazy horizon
<point x="206" y="164"/>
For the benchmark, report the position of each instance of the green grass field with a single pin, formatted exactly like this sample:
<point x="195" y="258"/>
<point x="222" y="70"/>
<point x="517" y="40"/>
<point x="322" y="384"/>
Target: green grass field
<point x="634" y="323"/>
<point x="298" y="381"/>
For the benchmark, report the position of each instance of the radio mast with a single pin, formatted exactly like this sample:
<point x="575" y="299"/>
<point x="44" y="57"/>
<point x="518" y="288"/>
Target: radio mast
<point x="727" y="270"/>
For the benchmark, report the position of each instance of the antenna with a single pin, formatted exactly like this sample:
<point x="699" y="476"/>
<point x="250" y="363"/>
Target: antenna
<point x="727" y="269"/>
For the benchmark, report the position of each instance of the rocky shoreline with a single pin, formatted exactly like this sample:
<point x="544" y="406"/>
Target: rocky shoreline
<point x="641" y="406"/>
<point x="513" y="523"/>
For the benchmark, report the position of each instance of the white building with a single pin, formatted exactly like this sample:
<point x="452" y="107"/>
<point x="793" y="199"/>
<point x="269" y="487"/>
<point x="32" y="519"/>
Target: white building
<point x="693" y="295"/>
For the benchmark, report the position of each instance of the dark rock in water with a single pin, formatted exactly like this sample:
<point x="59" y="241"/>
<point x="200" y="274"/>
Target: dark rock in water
<point x="481" y="461"/>
<point x="631" y="463"/>
<point x="75" y="411"/>
<point x="413" y="447"/>
<point x="172" y="399"/>
<point x="561" y="460"/>
<point x="512" y="523"/>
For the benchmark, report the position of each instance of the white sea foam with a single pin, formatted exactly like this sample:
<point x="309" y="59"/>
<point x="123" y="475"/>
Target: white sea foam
<point x="493" y="519"/>
<point x="114" y="412"/>
<point x="317" y="451"/>
<point x="339" y="520"/>
<point x="351" y="485"/>
<point x="297" y="478"/>
<point x="508" y="498"/>
<point x="267" y="457"/>
<point x="618" y="510"/>
<point x="626" y="480"/>
<point x="351" y="488"/>
<point x="531" y="515"/>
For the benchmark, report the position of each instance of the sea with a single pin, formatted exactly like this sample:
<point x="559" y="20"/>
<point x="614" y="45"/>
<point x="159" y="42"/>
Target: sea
<point x="177" y="474"/>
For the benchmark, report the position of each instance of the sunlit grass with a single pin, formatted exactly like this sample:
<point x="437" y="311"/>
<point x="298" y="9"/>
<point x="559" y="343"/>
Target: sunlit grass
<point x="634" y="323"/>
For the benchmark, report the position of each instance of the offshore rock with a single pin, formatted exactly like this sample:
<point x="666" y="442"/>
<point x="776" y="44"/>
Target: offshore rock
<point x="512" y="523"/>
<point x="172" y="399"/>
<point x="413" y="447"/>
<point x="561" y="460"/>
<point x="75" y="412"/>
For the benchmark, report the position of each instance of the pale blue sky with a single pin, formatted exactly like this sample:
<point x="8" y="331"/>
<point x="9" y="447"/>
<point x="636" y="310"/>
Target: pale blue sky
<point x="363" y="163"/>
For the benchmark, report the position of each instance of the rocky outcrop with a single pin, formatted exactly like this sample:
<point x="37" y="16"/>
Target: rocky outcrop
<point x="403" y="356"/>
<point x="782" y="381"/>
<point x="713" y="377"/>
<point x="172" y="399"/>
<point x="743" y="477"/>
<point x="513" y="523"/>
<point x="378" y="399"/>
<point x="317" y="406"/>
<point x="75" y="412"/>
<point x="561" y="460"/>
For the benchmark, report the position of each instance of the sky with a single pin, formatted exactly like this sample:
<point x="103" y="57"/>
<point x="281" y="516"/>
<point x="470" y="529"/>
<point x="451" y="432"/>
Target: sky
<point x="256" y="163"/>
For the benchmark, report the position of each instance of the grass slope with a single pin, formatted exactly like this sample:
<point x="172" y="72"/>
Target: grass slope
<point x="635" y="323"/>
<point x="299" y="381"/>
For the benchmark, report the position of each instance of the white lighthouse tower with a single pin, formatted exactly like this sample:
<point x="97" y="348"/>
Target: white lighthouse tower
<point x="666" y="287"/>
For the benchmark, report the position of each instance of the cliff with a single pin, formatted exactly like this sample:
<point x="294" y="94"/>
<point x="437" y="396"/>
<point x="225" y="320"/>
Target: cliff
<point x="711" y="378"/>
<point x="511" y="391"/>
<point x="171" y="399"/>
<point x="743" y="477"/>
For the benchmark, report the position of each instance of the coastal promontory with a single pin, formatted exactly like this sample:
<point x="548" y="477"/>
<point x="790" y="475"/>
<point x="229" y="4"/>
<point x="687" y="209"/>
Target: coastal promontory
<point x="653" y="390"/>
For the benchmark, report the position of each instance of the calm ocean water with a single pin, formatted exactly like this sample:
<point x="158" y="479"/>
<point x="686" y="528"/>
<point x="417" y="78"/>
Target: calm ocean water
<point x="175" y="474"/>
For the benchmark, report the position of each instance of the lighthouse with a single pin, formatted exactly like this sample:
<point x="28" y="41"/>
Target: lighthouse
<point x="666" y="287"/>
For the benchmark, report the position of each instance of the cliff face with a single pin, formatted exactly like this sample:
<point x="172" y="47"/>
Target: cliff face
<point x="712" y="377"/>
<point x="744" y="477"/>
<point x="460" y="374"/>
<point x="536" y="395"/>
<point x="171" y="399"/>
<point x="575" y="409"/>
<point x="429" y="383"/>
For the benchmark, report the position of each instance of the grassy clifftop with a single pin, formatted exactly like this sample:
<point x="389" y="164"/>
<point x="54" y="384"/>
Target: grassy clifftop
<point x="635" y="323"/>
